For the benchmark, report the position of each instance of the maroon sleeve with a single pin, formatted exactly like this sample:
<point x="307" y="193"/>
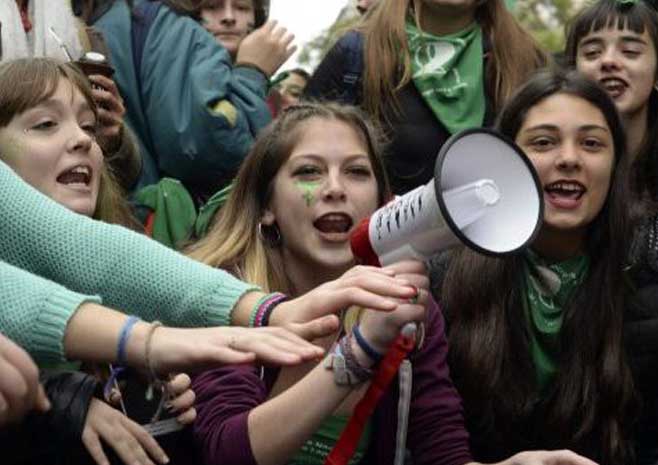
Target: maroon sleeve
<point x="437" y="432"/>
<point x="224" y="397"/>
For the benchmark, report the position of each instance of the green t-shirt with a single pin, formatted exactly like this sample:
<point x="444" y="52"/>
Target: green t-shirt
<point x="317" y="448"/>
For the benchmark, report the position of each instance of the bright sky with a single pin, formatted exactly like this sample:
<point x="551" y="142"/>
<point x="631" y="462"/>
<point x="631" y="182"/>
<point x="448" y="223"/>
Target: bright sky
<point x="305" y="18"/>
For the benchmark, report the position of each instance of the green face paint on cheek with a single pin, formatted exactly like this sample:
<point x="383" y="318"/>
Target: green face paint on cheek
<point x="308" y="191"/>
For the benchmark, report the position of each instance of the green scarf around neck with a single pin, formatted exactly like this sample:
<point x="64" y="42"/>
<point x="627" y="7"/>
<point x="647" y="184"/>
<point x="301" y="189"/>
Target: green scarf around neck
<point x="448" y="71"/>
<point x="548" y="288"/>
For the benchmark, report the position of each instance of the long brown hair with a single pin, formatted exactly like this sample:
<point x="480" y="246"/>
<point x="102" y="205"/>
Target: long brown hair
<point x="24" y="84"/>
<point x="589" y="407"/>
<point x="387" y="65"/>
<point x="233" y="241"/>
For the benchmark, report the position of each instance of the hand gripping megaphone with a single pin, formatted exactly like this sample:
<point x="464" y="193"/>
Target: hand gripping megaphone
<point x="485" y="194"/>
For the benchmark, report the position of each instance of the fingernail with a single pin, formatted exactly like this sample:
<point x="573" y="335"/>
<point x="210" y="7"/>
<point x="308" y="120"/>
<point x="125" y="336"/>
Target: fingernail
<point x="164" y="458"/>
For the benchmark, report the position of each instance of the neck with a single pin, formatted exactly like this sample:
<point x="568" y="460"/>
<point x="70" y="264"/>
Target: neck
<point x="559" y="245"/>
<point x="304" y="277"/>
<point x="442" y="21"/>
<point x="636" y="126"/>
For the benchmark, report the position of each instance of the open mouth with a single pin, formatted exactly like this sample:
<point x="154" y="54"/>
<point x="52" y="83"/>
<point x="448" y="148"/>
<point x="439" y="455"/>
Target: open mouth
<point x="334" y="223"/>
<point x="565" y="190"/>
<point x="77" y="177"/>
<point x="615" y="87"/>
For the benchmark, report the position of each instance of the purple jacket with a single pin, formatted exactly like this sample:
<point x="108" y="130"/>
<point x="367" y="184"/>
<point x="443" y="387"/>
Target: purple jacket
<point x="436" y="431"/>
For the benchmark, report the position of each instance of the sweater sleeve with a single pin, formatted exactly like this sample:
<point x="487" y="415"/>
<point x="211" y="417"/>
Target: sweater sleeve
<point x="224" y="398"/>
<point x="35" y="312"/>
<point x="203" y="113"/>
<point x="129" y="271"/>
<point x="437" y="431"/>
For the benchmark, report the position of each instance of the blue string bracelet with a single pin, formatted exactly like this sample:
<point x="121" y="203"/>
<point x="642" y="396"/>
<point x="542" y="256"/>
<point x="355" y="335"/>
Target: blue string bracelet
<point x="123" y="339"/>
<point x="370" y="351"/>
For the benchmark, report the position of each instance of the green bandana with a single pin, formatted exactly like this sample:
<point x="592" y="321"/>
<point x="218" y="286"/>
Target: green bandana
<point x="548" y="288"/>
<point x="448" y="73"/>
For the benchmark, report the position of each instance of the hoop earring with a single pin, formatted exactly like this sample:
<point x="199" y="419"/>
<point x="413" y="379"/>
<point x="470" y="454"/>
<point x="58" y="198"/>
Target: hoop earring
<point x="270" y="235"/>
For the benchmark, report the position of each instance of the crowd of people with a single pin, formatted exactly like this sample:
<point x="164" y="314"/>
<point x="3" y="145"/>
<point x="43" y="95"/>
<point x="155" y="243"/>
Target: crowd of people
<point x="175" y="258"/>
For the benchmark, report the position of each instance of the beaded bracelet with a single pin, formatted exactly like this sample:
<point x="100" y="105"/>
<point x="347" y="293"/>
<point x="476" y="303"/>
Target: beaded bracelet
<point x="369" y="350"/>
<point x="124" y="334"/>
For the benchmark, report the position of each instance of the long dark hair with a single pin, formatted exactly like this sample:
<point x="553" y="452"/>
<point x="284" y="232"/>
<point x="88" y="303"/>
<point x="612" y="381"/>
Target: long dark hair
<point x="637" y="17"/>
<point x="589" y="406"/>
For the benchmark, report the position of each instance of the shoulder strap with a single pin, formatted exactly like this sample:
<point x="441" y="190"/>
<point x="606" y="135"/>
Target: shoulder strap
<point x="353" y="67"/>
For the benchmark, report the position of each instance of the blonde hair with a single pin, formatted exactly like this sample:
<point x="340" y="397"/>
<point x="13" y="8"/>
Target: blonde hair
<point x="387" y="63"/>
<point x="234" y="242"/>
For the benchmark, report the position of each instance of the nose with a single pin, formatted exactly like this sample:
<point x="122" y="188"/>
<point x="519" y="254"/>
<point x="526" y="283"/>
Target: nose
<point x="228" y="16"/>
<point x="610" y="59"/>
<point x="334" y="188"/>
<point x="569" y="157"/>
<point x="80" y="140"/>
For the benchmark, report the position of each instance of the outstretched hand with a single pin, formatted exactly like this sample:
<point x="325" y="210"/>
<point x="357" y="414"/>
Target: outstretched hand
<point x="20" y="390"/>
<point x="176" y="350"/>
<point x="365" y="286"/>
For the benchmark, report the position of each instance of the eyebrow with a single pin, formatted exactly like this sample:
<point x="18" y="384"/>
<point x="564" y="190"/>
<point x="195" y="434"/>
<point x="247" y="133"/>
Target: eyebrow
<point x="317" y="157"/>
<point x="626" y="39"/>
<point x="552" y="127"/>
<point x="57" y="105"/>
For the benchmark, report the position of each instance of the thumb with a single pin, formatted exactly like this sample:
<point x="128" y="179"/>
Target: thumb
<point x="42" y="403"/>
<point x="317" y="328"/>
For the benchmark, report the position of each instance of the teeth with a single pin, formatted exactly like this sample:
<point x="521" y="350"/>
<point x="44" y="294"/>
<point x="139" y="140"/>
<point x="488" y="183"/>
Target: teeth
<point x="82" y="170"/>
<point x="566" y="186"/>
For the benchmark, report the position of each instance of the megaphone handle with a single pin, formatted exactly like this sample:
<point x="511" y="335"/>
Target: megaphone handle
<point x="346" y="445"/>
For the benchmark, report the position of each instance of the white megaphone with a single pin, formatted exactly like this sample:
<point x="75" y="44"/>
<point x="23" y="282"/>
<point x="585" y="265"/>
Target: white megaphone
<point x="485" y="194"/>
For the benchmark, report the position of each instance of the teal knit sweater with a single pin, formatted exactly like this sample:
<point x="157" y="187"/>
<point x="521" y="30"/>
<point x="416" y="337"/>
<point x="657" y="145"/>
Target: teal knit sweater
<point x="126" y="270"/>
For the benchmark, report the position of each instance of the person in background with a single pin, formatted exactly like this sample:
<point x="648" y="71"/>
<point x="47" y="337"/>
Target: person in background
<point x="427" y="69"/>
<point x="28" y="30"/>
<point x="194" y="98"/>
<point x="290" y="86"/>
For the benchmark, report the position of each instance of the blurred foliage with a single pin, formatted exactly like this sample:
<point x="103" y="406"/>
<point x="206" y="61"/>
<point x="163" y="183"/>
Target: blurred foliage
<point x="546" y="19"/>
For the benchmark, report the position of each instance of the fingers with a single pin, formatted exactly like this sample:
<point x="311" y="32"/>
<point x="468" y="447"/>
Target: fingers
<point x="42" y="403"/>
<point x="187" y="417"/>
<point x="129" y="440"/>
<point x="317" y="328"/>
<point x="93" y="445"/>
<point x="182" y="401"/>
<point x="19" y="382"/>
<point x="179" y="384"/>
<point x="274" y="345"/>
<point x="146" y="441"/>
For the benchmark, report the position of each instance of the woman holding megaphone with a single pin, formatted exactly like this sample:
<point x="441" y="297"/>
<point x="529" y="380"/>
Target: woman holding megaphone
<point x="312" y="175"/>
<point x="547" y="348"/>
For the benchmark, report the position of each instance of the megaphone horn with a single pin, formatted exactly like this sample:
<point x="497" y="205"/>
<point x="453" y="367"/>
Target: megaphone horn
<point x="485" y="194"/>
